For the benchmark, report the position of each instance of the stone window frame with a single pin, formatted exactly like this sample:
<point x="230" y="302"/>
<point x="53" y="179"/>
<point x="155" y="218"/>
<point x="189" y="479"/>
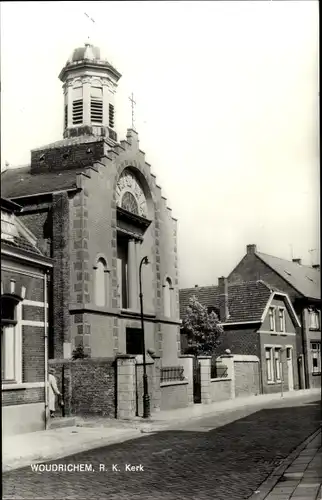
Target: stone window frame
<point x="273" y="317"/>
<point x="274" y="348"/>
<point x="100" y="257"/>
<point x="16" y="327"/>
<point x="169" y="280"/>
<point x="315" y="353"/>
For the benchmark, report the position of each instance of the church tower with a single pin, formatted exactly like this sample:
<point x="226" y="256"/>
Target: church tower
<point x="89" y="84"/>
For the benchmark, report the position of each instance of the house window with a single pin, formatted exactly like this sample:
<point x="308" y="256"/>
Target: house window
<point x="271" y="315"/>
<point x="281" y="319"/>
<point x="111" y="115"/>
<point x="314" y="319"/>
<point x="101" y="283"/>
<point x="11" y="366"/>
<point x="134" y="341"/>
<point x="96" y="104"/>
<point x="167" y="298"/>
<point x="77" y="105"/>
<point x="316" y="357"/>
<point x="269" y="363"/>
<point x="277" y="360"/>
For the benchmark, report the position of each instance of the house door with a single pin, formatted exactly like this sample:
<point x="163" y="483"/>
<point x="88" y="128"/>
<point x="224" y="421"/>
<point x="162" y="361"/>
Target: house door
<point x="289" y="360"/>
<point x="196" y="381"/>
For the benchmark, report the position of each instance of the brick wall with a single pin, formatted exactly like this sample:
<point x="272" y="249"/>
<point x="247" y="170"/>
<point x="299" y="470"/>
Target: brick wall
<point x="89" y="386"/>
<point x="247" y="378"/>
<point x="220" y="389"/>
<point x="252" y="268"/>
<point x="66" y="157"/>
<point x="61" y="274"/>
<point x="240" y="340"/>
<point x="174" y="395"/>
<point x="23" y="396"/>
<point x="33" y="354"/>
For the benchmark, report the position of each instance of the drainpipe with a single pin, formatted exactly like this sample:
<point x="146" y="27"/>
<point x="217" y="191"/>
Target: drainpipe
<point x="304" y="346"/>
<point x="46" y="351"/>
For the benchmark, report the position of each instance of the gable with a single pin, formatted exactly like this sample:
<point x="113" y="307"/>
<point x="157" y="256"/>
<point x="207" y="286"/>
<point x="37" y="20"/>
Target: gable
<point x="290" y="322"/>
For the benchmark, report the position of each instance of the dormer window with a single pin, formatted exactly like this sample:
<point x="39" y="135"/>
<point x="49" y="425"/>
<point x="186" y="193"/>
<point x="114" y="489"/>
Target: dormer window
<point x="96" y="105"/>
<point x="8" y="228"/>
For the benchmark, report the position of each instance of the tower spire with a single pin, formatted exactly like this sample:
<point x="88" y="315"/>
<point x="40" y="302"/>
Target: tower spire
<point x="89" y="38"/>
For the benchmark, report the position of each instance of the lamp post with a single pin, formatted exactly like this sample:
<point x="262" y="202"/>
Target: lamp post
<point x="146" y="398"/>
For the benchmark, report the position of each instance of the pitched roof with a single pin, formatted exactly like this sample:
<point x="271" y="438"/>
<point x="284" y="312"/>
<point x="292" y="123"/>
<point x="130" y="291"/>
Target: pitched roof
<point x="17" y="182"/>
<point x="305" y="279"/>
<point x="246" y="301"/>
<point x="22" y="243"/>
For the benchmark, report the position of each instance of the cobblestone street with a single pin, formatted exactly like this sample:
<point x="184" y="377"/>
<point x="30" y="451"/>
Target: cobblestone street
<point x="226" y="463"/>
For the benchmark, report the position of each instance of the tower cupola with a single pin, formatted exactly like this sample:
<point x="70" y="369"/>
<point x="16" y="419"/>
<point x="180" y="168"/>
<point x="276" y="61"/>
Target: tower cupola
<point x="89" y="84"/>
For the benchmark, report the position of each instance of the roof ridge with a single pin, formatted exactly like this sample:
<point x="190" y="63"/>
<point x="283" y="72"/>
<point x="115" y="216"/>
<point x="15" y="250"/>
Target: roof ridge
<point x="284" y="260"/>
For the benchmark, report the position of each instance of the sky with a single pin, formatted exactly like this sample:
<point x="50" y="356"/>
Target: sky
<point x="227" y="112"/>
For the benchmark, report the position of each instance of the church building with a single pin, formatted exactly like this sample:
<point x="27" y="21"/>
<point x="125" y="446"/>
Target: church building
<point x="97" y="211"/>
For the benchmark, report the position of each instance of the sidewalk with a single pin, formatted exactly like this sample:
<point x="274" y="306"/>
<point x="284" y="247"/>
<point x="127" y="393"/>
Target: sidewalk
<point x="299" y="477"/>
<point x="23" y="449"/>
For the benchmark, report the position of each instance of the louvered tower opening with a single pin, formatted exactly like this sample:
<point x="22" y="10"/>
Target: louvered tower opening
<point x="96" y="105"/>
<point x="111" y="115"/>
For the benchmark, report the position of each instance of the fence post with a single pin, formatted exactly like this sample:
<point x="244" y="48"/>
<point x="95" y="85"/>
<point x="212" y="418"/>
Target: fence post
<point x="187" y="363"/>
<point x="126" y="387"/>
<point x="205" y="374"/>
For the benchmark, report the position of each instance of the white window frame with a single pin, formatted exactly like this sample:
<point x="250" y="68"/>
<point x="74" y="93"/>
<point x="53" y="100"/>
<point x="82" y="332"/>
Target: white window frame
<point x="282" y="319"/>
<point x="316" y="354"/>
<point x="17" y="362"/>
<point x="313" y="313"/>
<point x="272" y="315"/>
<point x="269" y="364"/>
<point x="277" y="364"/>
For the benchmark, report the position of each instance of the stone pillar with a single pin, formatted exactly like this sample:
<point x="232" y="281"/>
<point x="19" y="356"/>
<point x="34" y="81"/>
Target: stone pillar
<point x="86" y="101"/>
<point x="187" y="362"/>
<point x="205" y="374"/>
<point x="126" y="395"/>
<point x="228" y="360"/>
<point x="156" y="398"/>
<point x="132" y="276"/>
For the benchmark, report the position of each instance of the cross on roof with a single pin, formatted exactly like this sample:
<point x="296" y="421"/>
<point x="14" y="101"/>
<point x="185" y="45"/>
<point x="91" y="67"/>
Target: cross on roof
<point x="133" y="102"/>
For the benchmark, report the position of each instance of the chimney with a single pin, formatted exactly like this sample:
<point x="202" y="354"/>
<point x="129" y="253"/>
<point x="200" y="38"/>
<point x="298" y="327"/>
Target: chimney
<point x="316" y="266"/>
<point x="297" y="261"/>
<point x="223" y="298"/>
<point x="251" y="249"/>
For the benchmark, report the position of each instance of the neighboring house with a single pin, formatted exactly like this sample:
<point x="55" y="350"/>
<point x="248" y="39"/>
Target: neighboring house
<point x="258" y="320"/>
<point x="24" y="272"/>
<point x="303" y="286"/>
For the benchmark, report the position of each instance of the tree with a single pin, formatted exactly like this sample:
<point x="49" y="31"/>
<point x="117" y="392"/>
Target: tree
<point x="201" y="328"/>
<point x="79" y="353"/>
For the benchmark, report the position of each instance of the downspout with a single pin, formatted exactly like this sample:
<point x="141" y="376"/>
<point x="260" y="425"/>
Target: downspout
<point x="304" y="347"/>
<point x="46" y="351"/>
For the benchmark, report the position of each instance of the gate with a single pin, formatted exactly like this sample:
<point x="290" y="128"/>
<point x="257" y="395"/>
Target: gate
<point x="196" y="381"/>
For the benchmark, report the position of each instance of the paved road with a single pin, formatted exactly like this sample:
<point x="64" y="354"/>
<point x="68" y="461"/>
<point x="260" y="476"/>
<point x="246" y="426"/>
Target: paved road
<point x="195" y="463"/>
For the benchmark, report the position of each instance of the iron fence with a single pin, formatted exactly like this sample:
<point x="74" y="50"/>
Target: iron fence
<point x="171" y="373"/>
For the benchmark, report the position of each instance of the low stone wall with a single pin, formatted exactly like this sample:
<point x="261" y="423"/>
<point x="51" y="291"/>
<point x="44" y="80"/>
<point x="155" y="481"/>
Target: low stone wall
<point x="88" y="386"/>
<point x="220" y="389"/>
<point x="174" y="394"/>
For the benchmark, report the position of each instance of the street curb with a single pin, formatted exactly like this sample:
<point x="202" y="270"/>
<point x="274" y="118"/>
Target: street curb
<point x="266" y="487"/>
<point x="98" y="443"/>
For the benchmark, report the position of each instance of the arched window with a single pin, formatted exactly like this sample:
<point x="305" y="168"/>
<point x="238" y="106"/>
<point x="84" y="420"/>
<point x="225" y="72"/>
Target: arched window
<point x="167" y="297"/>
<point x="101" y="283"/>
